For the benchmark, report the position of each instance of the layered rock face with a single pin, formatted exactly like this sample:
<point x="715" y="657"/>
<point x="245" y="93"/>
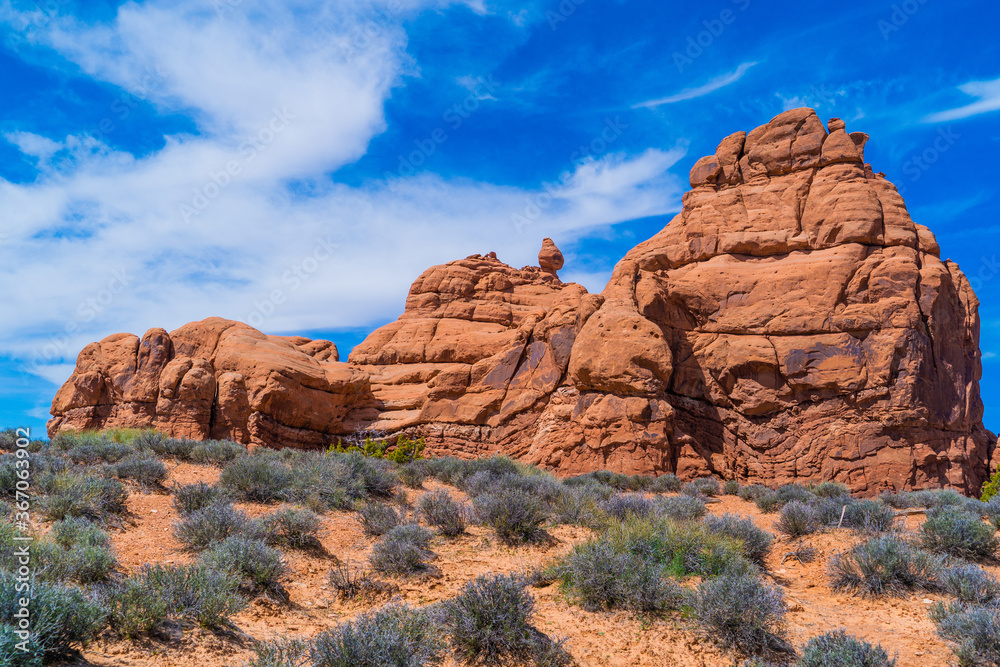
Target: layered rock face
<point x="212" y="379"/>
<point x="792" y="323"/>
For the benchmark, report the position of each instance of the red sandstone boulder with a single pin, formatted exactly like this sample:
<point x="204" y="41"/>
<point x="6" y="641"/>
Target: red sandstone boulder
<point x="791" y="324"/>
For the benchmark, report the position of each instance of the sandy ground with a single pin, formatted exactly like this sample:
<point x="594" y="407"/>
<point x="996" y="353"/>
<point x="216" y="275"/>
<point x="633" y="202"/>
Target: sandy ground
<point x="901" y="625"/>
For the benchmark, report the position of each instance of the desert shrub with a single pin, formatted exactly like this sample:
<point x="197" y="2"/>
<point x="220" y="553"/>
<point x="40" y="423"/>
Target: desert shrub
<point x="829" y="510"/>
<point x="704" y="486"/>
<point x="70" y="494"/>
<point x="957" y="533"/>
<point x="489" y="623"/>
<point x="788" y="493"/>
<point x="830" y="490"/>
<point x="869" y="516"/>
<point x="379" y="518"/>
<point x="75" y="550"/>
<point x="100" y="451"/>
<point x="214" y="523"/>
<point x="515" y="515"/>
<point x="403" y="550"/>
<point x="258" y="479"/>
<point x="797" y="519"/>
<point x="580" y="505"/>
<point x="683" y="548"/>
<point x="325" y="482"/>
<point x="412" y="474"/>
<point x="885" y="565"/>
<point x="731" y="487"/>
<point x="216" y="451"/>
<point x="991" y="511"/>
<point x="190" y="498"/>
<point x="974" y="628"/>
<point x="174" y="448"/>
<point x="440" y="510"/>
<point x="63" y="618"/>
<point x="970" y="583"/>
<point x="280" y="653"/>
<point x="750" y="492"/>
<point x="155" y="593"/>
<point x="681" y="508"/>
<point x="741" y="611"/>
<point x="291" y="527"/>
<point x="624" y="505"/>
<point x="767" y="501"/>
<point x="350" y="583"/>
<point x="839" y="649"/>
<point x="597" y="576"/>
<point x="667" y="483"/>
<point x="395" y="635"/>
<point x="257" y="564"/>
<point x="147" y="472"/>
<point x="756" y="541"/>
<point x="376" y="476"/>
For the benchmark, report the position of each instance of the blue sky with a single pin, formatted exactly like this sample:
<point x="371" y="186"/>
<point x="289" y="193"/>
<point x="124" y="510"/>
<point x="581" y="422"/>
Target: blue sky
<point x="296" y="165"/>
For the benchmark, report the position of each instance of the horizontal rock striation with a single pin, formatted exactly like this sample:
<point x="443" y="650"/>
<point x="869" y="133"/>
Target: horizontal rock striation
<point x="791" y="324"/>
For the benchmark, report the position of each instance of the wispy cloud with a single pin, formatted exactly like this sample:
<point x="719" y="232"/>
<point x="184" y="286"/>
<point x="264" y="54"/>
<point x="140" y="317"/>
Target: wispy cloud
<point x="692" y="93"/>
<point x="988" y="93"/>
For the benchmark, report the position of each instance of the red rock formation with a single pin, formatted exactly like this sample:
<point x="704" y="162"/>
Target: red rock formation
<point x="791" y="323"/>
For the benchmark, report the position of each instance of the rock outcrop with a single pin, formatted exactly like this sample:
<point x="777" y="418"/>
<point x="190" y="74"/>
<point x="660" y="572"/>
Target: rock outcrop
<point x="792" y="323"/>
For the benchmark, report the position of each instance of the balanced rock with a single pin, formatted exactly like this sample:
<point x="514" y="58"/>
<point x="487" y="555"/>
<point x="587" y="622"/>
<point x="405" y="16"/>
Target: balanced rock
<point x="791" y="324"/>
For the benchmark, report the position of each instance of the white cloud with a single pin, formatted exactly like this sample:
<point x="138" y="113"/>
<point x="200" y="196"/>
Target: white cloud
<point x="104" y="244"/>
<point x="988" y="93"/>
<point x="706" y="89"/>
<point x="33" y="145"/>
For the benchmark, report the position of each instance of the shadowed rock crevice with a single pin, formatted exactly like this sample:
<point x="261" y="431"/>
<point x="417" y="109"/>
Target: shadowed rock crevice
<point x="792" y="323"/>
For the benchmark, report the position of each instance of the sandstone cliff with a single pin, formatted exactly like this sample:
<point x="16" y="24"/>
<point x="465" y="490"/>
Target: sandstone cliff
<point x="791" y="323"/>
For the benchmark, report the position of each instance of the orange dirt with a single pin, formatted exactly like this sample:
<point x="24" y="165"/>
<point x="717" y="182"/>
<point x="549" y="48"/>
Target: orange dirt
<point x="595" y="639"/>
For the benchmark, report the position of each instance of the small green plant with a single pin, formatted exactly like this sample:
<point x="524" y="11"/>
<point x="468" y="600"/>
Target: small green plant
<point x="404" y="450"/>
<point x="991" y="488"/>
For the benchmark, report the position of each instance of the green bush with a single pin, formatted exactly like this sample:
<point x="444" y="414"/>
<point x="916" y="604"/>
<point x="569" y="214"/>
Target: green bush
<point x="257" y="479"/>
<point x="681" y="508"/>
<point x="403" y="550"/>
<point x="955" y="532"/>
<point x="885" y="565"/>
<point x="396" y="636"/>
<point x="839" y="649"/>
<point x="215" y="452"/>
<point x="147" y="472"/>
<point x="869" y="516"/>
<point x="489" y="623"/>
<point x="767" y="501"/>
<point x="731" y="487"/>
<point x="704" y="486"/>
<point x="404" y="450"/>
<point x="742" y="612"/>
<point x="991" y="488"/>
<point x="621" y="506"/>
<point x="413" y="474"/>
